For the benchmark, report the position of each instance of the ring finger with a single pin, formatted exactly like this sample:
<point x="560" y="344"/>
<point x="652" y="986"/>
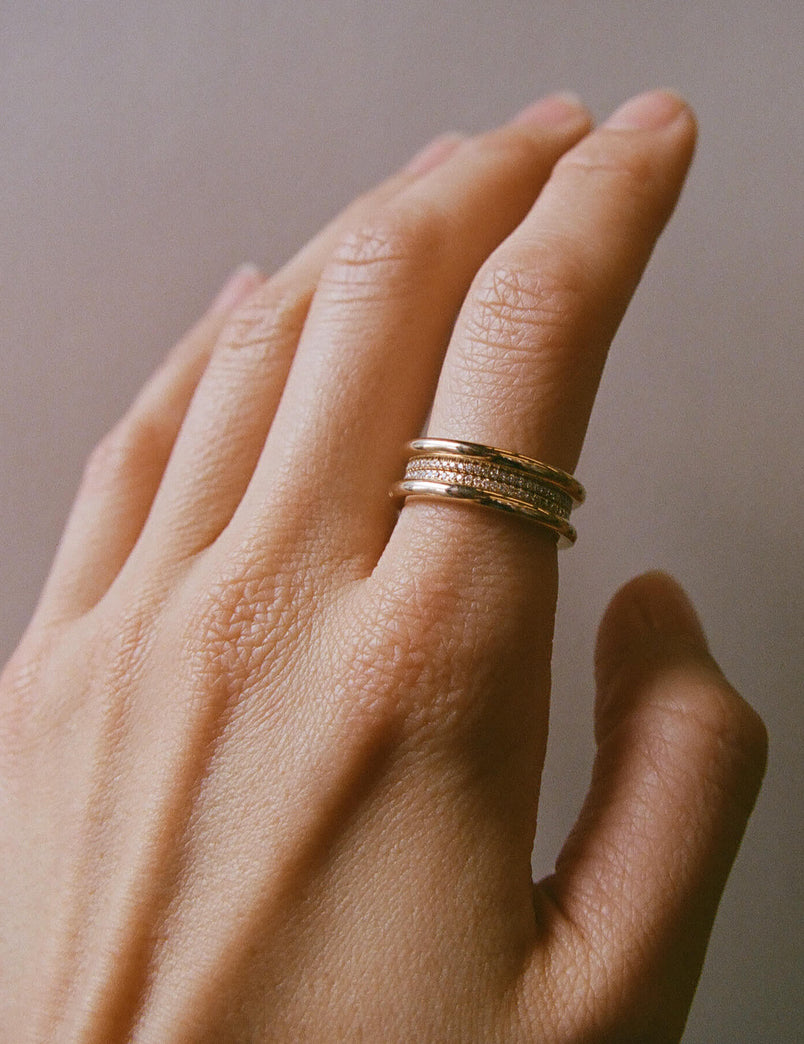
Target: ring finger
<point x="529" y="345"/>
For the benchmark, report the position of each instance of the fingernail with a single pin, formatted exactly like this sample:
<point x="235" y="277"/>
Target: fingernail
<point x="552" y="111"/>
<point x="649" y="111"/>
<point x="243" y="281"/>
<point x="434" y="153"/>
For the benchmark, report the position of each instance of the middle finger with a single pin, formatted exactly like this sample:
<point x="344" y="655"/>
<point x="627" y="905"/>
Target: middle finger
<point x="366" y="364"/>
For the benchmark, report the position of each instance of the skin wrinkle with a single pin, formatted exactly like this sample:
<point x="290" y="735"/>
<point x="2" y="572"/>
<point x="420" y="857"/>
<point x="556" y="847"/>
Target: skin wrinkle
<point x="624" y="675"/>
<point x="244" y="600"/>
<point x="385" y="260"/>
<point x="715" y="713"/>
<point x="652" y="774"/>
<point x="142" y="435"/>
<point x="300" y="521"/>
<point x="411" y="632"/>
<point x="519" y="298"/>
<point x="638" y="171"/>
<point x="605" y="964"/>
<point x="273" y="315"/>
<point x="516" y="319"/>
<point x="417" y="770"/>
<point x="596" y="984"/>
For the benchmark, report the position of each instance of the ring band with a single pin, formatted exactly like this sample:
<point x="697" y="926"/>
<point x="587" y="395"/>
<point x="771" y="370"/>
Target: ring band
<point x="494" y="478"/>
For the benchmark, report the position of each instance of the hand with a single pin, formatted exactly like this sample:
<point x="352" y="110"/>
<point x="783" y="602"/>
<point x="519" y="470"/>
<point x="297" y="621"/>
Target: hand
<point x="270" y="755"/>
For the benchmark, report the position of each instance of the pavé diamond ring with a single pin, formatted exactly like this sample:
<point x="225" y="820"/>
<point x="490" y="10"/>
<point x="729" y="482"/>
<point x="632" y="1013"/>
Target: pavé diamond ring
<point x="494" y="478"/>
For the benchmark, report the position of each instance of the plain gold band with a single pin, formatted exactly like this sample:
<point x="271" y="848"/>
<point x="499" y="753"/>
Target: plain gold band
<point x="431" y="488"/>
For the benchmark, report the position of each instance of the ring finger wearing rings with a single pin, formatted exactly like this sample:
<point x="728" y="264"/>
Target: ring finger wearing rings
<point x="525" y="358"/>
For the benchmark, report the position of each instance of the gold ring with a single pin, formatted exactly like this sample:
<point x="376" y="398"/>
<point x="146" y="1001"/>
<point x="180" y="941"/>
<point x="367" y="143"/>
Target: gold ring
<point x="494" y="478"/>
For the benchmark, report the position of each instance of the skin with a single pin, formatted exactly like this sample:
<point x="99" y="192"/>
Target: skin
<point x="270" y="754"/>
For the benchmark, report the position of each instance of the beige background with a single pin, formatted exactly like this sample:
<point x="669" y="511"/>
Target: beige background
<point x="149" y="147"/>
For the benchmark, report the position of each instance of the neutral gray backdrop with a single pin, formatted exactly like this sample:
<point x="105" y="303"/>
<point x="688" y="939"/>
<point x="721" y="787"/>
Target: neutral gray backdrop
<point x="146" y="148"/>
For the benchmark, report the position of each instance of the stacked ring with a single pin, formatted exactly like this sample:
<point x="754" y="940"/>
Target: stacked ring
<point x="493" y="478"/>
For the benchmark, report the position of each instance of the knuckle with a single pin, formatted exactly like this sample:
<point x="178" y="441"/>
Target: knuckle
<point x="243" y="625"/>
<point x="712" y="721"/>
<point x="392" y="658"/>
<point x="140" y="437"/>
<point x="378" y="672"/>
<point x="267" y="321"/>
<point x="426" y="660"/>
<point x="609" y="161"/>
<point x="522" y="307"/>
<point x="734" y="729"/>
<point x="398" y="624"/>
<point x="511" y="144"/>
<point x="387" y="256"/>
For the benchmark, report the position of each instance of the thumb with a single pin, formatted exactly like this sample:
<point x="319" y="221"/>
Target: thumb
<point x="679" y="762"/>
